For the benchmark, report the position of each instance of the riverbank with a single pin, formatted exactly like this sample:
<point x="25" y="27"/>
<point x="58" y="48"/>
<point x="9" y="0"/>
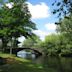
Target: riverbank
<point x="42" y="64"/>
<point x="15" y="64"/>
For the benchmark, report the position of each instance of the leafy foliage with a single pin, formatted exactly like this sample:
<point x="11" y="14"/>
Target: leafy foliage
<point x="15" y="21"/>
<point x="64" y="8"/>
<point x="61" y="43"/>
<point x="32" y="42"/>
<point x="52" y="43"/>
<point x="66" y="27"/>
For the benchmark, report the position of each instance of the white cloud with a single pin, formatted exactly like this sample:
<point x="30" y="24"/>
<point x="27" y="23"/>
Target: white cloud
<point x="41" y="33"/>
<point x="50" y="26"/>
<point x="10" y="5"/>
<point x="39" y="10"/>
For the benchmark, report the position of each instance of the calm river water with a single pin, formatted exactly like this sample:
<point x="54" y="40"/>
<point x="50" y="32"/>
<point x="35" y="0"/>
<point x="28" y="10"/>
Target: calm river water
<point x="53" y="64"/>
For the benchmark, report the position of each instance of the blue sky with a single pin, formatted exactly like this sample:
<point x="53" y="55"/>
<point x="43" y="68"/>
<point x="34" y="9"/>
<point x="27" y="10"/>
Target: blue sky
<point x="41" y="11"/>
<point x="42" y="16"/>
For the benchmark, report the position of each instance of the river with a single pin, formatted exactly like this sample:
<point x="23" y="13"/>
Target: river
<point x="53" y="64"/>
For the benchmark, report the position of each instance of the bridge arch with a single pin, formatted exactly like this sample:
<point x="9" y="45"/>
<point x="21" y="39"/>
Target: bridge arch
<point x="15" y="50"/>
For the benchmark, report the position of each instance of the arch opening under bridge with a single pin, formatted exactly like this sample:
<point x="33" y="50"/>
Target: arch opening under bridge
<point x="15" y="50"/>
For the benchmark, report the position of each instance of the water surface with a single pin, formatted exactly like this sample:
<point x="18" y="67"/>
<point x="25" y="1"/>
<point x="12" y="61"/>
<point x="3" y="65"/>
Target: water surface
<point x="49" y="64"/>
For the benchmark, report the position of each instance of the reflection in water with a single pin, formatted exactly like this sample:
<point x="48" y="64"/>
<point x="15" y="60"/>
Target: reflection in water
<point x="25" y="54"/>
<point x="55" y="64"/>
<point x="50" y="64"/>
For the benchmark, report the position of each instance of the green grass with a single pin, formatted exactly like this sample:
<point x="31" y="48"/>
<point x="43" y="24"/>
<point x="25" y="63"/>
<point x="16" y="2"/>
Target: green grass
<point x="19" y="65"/>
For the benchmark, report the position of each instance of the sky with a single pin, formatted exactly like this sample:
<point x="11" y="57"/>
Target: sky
<point x="41" y="11"/>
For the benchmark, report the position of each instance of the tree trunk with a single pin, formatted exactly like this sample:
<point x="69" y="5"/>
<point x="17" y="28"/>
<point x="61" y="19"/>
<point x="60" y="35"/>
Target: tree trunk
<point x="11" y="47"/>
<point x="10" y="50"/>
<point x="4" y="44"/>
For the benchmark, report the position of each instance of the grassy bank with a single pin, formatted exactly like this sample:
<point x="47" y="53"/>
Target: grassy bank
<point x="15" y="64"/>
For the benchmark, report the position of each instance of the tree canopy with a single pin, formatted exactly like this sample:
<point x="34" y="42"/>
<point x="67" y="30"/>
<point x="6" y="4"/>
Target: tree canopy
<point x="64" y="8"/>
<point x="15" y="21"/>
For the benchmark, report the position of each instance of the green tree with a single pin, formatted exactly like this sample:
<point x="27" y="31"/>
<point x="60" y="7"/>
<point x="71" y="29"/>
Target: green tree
<point x="53" y="43"/>
<point x="15" y="21"/>
<point x="65" y="28"/>
<point x="31" y="42"/>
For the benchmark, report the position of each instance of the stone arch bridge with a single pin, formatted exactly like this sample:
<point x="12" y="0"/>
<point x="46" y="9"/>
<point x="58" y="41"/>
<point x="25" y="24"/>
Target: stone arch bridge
<point x="36" y="51"/>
